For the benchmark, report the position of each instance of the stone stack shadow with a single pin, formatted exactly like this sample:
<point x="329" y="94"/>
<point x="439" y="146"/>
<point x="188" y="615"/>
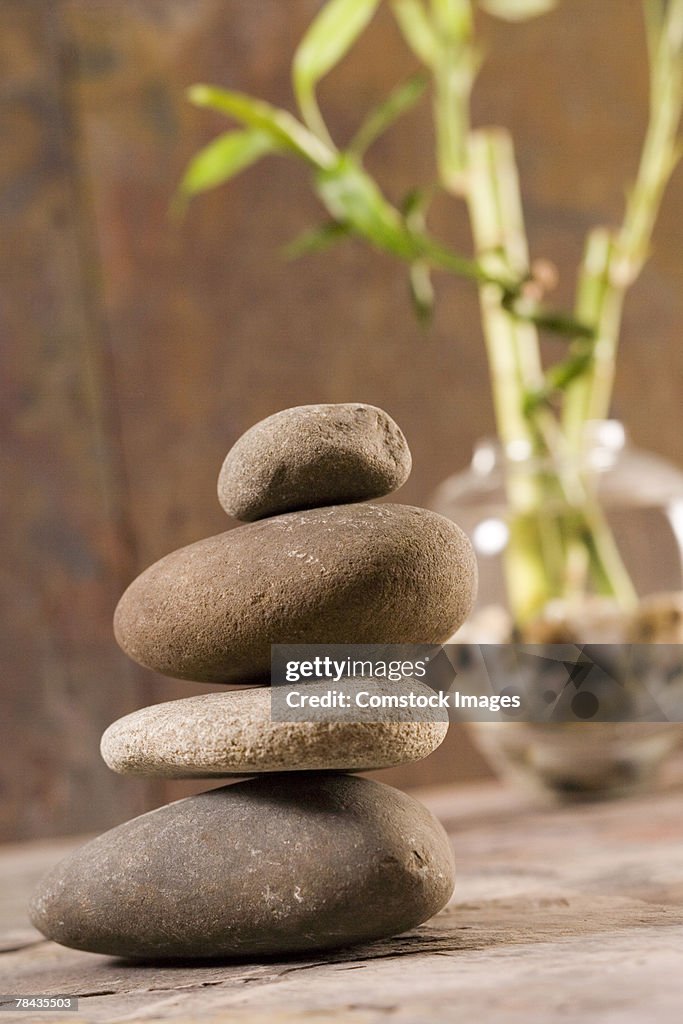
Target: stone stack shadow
<point x="302" y="855"/>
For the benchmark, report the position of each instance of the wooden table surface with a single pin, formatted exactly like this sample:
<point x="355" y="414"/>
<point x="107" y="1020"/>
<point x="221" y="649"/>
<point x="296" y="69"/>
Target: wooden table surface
<point x="564" y="915"/>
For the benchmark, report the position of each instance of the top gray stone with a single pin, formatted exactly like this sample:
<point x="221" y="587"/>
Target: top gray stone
<point x="312" y="456"/>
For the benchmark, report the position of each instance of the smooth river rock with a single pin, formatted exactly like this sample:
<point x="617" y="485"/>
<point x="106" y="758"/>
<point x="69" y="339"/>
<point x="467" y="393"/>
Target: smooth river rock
<point x="274" y="865"/>
<point x="358" y="574"/>
<point x="311" y="456"/>
<point x="232" y="733"/>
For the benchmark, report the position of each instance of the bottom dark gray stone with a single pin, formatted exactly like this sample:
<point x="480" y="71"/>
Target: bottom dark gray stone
<point x="274" y="865"/>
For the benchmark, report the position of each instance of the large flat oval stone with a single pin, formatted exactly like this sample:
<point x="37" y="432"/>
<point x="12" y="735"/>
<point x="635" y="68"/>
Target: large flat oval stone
<point x="233" y="733"/>
<point x="310" y="456"/>
<point x="278" y="864"/>
<point x="345" y="574"/>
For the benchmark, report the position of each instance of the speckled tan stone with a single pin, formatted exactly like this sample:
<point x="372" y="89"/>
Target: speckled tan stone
<point x="310" y="456"/>
<point x="359" y="574"/>
<point x="232" y="733"/>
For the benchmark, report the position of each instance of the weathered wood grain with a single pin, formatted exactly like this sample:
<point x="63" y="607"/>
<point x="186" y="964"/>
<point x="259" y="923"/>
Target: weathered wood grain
<point x="569" y="915"/>
<point x="66" y="548"/>
<point x="134" y="350"/>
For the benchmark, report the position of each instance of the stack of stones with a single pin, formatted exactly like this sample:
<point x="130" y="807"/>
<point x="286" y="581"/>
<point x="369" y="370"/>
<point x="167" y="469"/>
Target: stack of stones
<point x="302" y="855"/>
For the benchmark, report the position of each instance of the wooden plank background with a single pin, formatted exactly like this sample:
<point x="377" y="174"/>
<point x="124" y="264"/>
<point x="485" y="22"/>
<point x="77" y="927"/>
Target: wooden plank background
<point x="134" y="351"/>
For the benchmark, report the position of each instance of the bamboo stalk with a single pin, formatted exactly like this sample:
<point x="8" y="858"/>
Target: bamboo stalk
<point x="600" y="305"/>
<point x="534" y="560"/>
<point x="496" y="218"/>
<point x="480" y="167"/>
<point x="549" y="554"/>
<point x="454" y="69"/>
<point x="613" y="260"/>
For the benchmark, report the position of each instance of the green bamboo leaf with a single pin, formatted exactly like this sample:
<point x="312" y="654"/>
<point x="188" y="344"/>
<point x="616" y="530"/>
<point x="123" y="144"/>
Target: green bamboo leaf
<point x="414" y="208"/>
<point x="422" y="292"/>
<point x="415" y="204"/>
<point x="280" y="125"/>
<point x="223" y="158"/>
<point x="352" y="197"/>
<point x="560" y="376"/>
<point x="397" y="103"/>
<point x="417" y="30"/>
<point x="328" y="38"/>
<point x="564" y="324"/>
<point x="317" y="240"/>
<point x="517" y="10"/>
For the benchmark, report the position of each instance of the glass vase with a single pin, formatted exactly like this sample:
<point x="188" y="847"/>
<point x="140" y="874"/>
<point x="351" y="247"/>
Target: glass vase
<point x="637" y="498"/>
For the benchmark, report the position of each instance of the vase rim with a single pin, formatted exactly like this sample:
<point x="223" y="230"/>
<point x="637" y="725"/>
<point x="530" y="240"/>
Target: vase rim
<point x="603" y="440"/>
